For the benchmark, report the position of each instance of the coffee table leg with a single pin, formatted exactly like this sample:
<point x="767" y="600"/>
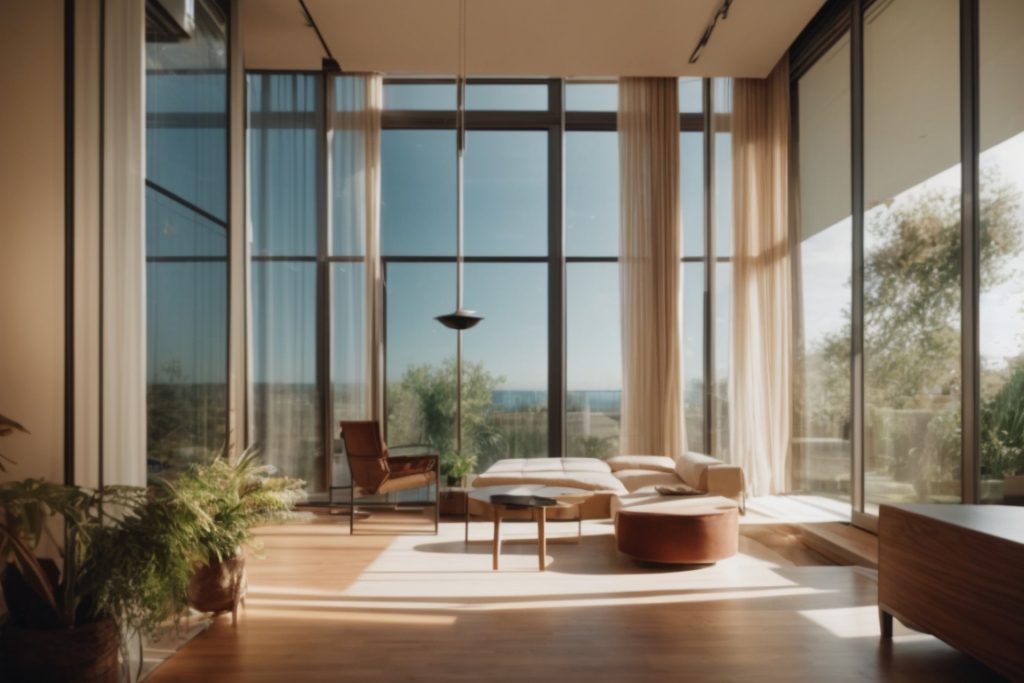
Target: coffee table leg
<point x="496" y="550"/>
<point x="542" y="545"/>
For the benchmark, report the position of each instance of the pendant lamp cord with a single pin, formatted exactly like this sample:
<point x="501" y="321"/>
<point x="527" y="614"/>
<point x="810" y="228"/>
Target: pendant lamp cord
<point x="460" y="152"/>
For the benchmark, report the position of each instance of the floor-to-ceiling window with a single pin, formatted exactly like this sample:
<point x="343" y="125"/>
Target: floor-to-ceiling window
<point x="187" y="242"/>
<point x="1001" y="185"/>
<point x="541" y="266"/>
<point x="821" y="426"/>
<point x="592" y="337"/>
<point x="285" y="147"/>
<point x="912" y="250"/>
<point x="504" y="361"/>
<point x="929" y="326"/>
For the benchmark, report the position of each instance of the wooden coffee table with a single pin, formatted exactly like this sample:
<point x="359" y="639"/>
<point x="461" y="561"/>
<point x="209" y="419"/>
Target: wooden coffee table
<point x="535" y="497"/>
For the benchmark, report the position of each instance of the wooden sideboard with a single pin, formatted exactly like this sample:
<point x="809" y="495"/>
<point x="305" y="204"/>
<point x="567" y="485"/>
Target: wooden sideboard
<point x="957" y="572"/>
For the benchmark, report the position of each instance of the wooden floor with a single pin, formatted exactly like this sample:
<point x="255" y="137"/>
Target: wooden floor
<point x="325" y="606"/>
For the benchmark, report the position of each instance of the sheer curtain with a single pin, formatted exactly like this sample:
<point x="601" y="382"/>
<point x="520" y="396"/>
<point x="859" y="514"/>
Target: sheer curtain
<point x="762" y="316"/>
<point x="355" y="125"/>
<point x="286" y="147"/>
<point x="649" y="253"/>
<point x="123" y="247"/>
<point x="357" y="356"/>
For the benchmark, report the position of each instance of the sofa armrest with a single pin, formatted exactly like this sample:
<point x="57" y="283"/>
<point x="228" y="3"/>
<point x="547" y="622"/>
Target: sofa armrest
<point x="727" y="481"/>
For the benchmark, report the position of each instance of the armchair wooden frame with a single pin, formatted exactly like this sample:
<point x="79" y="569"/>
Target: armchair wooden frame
<point x="375" y="472"/>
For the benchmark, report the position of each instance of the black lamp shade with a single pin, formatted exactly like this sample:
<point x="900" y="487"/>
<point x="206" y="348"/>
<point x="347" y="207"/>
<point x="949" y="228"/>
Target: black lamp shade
<point x="461" y="319"/>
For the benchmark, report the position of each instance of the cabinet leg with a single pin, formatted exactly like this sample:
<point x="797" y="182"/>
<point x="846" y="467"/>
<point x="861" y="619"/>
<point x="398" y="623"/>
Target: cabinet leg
<point x="885" y="623"/>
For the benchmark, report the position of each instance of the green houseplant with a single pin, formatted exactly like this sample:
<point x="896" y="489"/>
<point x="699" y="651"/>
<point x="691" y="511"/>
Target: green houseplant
<point x="124" y="557"/>
<point x="236" y="495"/>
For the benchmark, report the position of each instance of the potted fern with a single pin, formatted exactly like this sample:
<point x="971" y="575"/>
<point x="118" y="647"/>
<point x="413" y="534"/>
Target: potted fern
<point x="124" y="557"/>
<point x="236" y="495"/>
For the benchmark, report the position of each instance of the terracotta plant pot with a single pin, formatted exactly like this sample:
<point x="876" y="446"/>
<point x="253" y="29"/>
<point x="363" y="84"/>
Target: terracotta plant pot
<point x="85" y="654"/>
<point x="218" y="587"/>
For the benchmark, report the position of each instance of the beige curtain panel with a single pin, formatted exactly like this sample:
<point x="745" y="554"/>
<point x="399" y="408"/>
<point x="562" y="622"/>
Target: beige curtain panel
<point x="649" y="252"/>
<point x="355" y="176"/>
<point x="762" y="304"/>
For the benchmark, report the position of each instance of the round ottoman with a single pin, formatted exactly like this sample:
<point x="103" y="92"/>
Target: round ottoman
<point x="688" y="531"/>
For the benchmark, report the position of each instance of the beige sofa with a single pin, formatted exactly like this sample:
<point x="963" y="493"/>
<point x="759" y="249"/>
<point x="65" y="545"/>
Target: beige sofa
<point x="621" y="481"/>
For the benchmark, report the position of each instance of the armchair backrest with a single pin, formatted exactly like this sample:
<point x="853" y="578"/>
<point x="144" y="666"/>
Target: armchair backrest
<point x="367" y="455"/>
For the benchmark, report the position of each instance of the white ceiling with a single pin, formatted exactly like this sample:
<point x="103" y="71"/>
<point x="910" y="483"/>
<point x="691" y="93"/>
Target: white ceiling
<point x="526" y="37"/>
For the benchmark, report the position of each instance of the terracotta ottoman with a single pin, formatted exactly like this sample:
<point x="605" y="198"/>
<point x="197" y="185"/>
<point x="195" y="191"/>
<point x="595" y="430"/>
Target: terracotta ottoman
<point x="676" y="530"/>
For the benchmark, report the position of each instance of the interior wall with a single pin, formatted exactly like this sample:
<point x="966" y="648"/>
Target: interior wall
<point x="32" y="231"/>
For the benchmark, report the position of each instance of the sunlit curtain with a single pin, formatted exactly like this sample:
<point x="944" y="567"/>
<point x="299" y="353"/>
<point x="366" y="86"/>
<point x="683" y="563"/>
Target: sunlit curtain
<point x="285" y="153"/>
<point x="762" y="316"/>
<point x="649" y="251"/>
<point x="355" y="200"/>
<point x="123" y="247"/>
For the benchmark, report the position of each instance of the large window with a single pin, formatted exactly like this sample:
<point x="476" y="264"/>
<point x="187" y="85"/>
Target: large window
<point x="923" y="338"/>
<point x="286" y="142"/>
<point x="912" y="252"/>
<point x="1002" y="250"/>
<point x="512" y="276"/>
<point x="821" y="447"/>
<point x="187" y="244"/>
<point x="541" y="375"/>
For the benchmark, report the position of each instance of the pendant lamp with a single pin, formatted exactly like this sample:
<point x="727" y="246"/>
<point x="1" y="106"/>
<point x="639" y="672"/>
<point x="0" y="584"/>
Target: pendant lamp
<point x="461" y="318"/>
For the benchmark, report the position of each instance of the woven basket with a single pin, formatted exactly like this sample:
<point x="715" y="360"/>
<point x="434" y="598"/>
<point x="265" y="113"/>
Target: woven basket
<point x="86" y="654"/>
<point x="218" y="586"/>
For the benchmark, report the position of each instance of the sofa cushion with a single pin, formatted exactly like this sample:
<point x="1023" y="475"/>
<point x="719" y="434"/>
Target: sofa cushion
<point x="649" y="501"/>
<point x="584" y="473"/>
<point x="656" y="463"/>
<point x="638" y="479"/>
<point x="692" y="468"/>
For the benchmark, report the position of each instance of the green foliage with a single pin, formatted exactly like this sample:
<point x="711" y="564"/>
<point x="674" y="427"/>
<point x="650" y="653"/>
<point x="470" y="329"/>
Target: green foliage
<point x="912" y="328"/>
<point x="602" y="447"/>
<point x="126" y="553"/>
<point x="1002" y="428"/>
<point x="455" y="466"/>
<point x="8" y="426"/>
<point x="422" y="409"/>
<point x="236" y="496"/>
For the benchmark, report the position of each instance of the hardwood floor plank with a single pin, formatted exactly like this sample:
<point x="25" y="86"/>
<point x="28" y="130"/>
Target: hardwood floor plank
<point x="324" y="606"/>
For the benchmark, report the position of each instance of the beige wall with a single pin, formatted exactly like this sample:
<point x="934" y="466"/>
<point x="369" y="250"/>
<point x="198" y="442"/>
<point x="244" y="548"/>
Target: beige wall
<point x="32" y="234"/>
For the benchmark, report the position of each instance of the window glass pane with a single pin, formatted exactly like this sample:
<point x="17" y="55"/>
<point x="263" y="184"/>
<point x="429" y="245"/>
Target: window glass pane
<point x="821" y="448"/>
<point x="592" y="97"/>
<point x="498" y="97"/>
<point x="912" y="252"/>
<point x="186" y="245"/>
<point x="419" y="96"/>
<point x="691" y="191"/>
<point x="504" y="365"/>
<point x="592" y="193"/>
<point x="420" y="372"/>
<point x="722" y="331"/>
<point x="285" y="410"/>
<point x="593" y="360"/>
<point x="691" y="95"/>
<point x="506" y="193"/>
<point x="348" y="353"/>
<point x="1002" y="251"/>
<point x="692" y="336"/>
<point x="284" y="156"/>
<point x="417" y="210"/>
<point x="186" y="358"/>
